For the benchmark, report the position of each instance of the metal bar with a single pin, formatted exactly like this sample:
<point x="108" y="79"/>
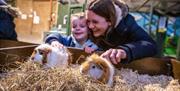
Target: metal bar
<point x="84" y="5"/>
<point x="136" y="9"/>
<point x="69" y="17"/>
<point x="50" y="15"/>
<point x="151" y="17"/>
<point x="167" y="0"/>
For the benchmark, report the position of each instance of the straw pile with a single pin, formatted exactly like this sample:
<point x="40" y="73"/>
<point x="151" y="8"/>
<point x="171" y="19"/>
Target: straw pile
<point x="31" y="77"/>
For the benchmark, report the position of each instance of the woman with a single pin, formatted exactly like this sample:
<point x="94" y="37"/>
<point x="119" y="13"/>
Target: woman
<point x="7" y="26"/>
<point x="117" y="33"/>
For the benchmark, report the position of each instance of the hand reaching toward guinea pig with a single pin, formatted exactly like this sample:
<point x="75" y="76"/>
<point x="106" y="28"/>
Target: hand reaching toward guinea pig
<point x="114" y="55"/>
<point x="89" y="49"/>
<point x="56" y="44"/>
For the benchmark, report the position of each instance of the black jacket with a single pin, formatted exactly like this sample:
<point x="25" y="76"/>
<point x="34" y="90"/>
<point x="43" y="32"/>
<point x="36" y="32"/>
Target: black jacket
<point x="128" y="35"/>
<point x="7" y="26"/>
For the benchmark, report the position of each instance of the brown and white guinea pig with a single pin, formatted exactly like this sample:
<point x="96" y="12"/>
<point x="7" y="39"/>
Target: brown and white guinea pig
<point x="50" y="56"/>
<point x="98" y="68"/>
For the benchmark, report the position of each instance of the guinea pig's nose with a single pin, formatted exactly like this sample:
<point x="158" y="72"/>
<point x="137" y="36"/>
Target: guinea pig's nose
<point x="32" y="58"/>
<point x="82" y="71"/>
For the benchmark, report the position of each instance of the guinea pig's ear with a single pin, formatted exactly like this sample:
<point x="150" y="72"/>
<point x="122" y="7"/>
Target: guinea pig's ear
<point x="47" y="50"/>
<point x="33" y="54"/>
<point x="100" y="65"/>
<point x="95" y="56"/>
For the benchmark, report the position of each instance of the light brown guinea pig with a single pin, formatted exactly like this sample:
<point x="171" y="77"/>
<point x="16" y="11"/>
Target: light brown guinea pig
<point x="50" y="56"/>
<point x="98" y="68"/>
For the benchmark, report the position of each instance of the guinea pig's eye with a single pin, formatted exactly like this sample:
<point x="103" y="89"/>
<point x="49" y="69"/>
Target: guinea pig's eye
<point x="35" y="51"/>
<point x="93" y="66"/>
<point x="40" y="52"/>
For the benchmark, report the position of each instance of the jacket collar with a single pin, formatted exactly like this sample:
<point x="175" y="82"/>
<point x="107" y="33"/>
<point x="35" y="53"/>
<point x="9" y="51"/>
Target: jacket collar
<point x="121" y="12"/>
<point x="118" y="14"/>
<point x="77" y="45"/>
<point x="119" y="17"/>
<point x="2" y="2"/>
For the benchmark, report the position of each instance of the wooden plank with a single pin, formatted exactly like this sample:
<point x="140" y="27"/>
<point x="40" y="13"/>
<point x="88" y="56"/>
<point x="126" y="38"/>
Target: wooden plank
<point x="10" y="43"/>
<point x="14" y="49"/>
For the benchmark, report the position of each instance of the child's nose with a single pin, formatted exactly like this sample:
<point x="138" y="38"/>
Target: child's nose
<point x="78" y="28"/>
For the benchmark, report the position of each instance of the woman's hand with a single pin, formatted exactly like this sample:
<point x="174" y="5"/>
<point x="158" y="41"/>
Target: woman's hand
<point x="56" y="44"/>
<point x="114" y="55"/>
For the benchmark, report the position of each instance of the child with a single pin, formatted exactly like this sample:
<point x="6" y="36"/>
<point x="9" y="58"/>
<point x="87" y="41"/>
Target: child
<point x="79" y="37"/>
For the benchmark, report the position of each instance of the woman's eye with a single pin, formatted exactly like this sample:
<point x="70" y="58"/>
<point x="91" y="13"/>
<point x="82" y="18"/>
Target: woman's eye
<point x="94" y="21"/>
<point x="87" y="21"/>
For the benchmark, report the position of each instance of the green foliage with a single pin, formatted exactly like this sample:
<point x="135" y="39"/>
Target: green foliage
<point x="170" y="45"/>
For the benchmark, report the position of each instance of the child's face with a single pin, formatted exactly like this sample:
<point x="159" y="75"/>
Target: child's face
<point x="79" y="28"/>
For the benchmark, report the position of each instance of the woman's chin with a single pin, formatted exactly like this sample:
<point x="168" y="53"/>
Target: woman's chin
<point x="96" y="35"/>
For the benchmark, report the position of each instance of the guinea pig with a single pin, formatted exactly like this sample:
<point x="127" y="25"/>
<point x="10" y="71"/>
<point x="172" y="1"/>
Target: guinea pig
<point x="99" y="69"/>
<point x="50" y="56"/>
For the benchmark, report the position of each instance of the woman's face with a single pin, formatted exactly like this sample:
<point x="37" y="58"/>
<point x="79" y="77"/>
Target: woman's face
<point x="97" y="24"/>
<point x="79" y="29"/>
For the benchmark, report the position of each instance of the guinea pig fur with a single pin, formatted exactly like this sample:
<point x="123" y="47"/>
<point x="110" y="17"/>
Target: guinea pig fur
<point x="98" y="68"/>
<point x="50" y="56"/>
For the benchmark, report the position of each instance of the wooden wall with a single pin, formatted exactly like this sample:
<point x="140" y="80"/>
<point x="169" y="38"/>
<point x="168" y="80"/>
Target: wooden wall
<point x="32" y="10"/>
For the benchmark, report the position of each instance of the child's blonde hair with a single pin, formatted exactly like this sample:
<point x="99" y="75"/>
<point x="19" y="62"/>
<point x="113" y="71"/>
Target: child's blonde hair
<point x="80" y="15"/>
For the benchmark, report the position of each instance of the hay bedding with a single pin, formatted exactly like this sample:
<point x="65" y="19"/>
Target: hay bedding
<point x="31" y="77"/>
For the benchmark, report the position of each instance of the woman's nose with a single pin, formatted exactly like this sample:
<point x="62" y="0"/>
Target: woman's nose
<point x="91" y="26"/>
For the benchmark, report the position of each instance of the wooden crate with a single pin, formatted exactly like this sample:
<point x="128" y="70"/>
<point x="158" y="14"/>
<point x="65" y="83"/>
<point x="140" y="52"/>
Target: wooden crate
<point x="11" y="51"/>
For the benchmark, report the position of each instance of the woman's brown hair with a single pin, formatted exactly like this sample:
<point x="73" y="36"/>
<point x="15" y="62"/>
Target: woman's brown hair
<point x="106" y="9"/>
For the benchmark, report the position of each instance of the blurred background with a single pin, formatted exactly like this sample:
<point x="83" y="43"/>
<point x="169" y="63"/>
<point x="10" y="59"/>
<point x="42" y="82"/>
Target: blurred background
<point x="159" y="18"/>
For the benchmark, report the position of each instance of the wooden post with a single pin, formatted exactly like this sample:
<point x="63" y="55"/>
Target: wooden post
<point x="178" y="49"/>
<point x="50" y="15"/>
<point x="161" y="35"/>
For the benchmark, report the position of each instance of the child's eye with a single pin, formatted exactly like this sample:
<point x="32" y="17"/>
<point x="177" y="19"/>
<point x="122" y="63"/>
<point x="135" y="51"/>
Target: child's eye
<point x="82" y="26"/>
<point x="74" y="26"/>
